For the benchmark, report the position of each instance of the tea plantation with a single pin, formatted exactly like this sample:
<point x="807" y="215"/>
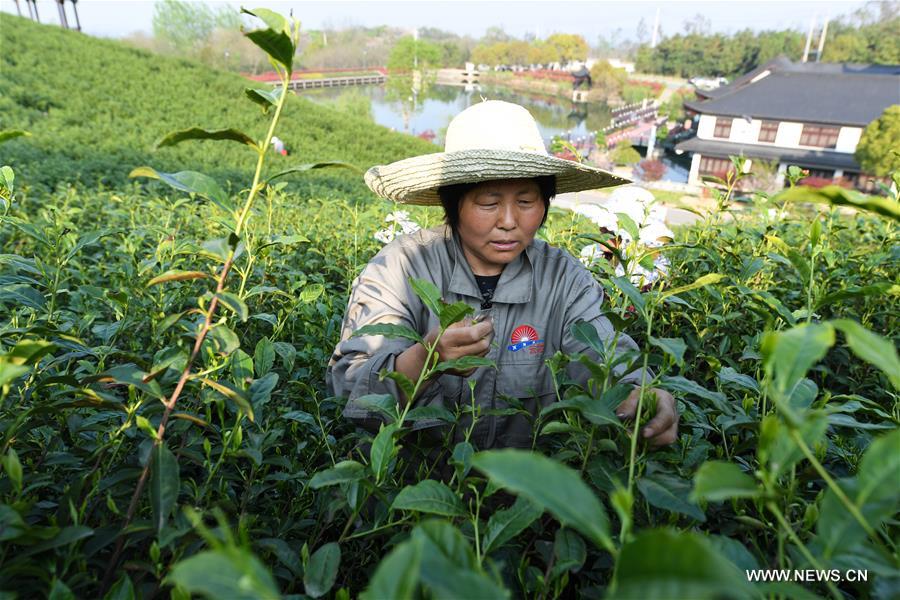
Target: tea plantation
<point x="165" y="429"/>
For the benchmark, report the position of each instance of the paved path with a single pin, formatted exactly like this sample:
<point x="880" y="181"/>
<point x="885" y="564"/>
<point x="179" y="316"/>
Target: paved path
<point x="674" y="215"/>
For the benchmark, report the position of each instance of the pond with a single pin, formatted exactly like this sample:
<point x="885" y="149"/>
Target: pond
<point x="428" y="114"/>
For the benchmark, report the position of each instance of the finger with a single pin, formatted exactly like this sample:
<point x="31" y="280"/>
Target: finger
<point x="666" y="416"/>
<point x="628" y="407"/>
<point x="665" y="438"/>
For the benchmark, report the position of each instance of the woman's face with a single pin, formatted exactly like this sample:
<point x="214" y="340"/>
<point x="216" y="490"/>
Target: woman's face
<point x="497" y="221"/>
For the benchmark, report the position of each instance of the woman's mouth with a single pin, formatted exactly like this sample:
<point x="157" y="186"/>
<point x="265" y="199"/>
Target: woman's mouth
<point x="505" y="245"/>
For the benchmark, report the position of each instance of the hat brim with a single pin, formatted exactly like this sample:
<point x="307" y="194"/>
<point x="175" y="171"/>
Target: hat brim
<point x="416" y="180"/>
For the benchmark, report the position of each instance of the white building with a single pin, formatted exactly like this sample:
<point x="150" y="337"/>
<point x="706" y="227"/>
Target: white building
<point x="806" y="114"/>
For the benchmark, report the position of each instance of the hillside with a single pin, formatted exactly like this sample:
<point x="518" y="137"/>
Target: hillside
<point x="95" y="108"/>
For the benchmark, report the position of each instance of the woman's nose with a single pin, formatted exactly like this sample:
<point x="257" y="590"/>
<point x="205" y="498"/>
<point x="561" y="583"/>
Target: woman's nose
<point x="507" y="218"/>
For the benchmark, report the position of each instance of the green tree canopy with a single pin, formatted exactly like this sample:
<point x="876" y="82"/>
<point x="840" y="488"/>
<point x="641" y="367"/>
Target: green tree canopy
<point x="878" y="151"/>
<point x="409" y="54"/>
<point x="569" y="46"/>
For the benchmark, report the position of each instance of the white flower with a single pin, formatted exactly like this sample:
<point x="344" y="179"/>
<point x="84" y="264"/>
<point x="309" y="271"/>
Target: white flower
<point x="397" y="216"/>
<point x="398" y="222"/>
<point x="385" y="235"/>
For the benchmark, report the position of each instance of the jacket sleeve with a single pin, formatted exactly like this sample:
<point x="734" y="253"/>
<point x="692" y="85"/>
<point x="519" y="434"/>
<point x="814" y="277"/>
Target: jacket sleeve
<point x="585" y="302"/>
<point x="381" y="294"/>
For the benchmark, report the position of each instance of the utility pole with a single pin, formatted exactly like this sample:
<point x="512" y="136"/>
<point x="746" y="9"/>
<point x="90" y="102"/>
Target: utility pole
<point x="822" y="40"/>
<point x="75" y="10"/>
<point x="812" y="25"/>
<point x="60" y="6"/>
<point x="655" y="37"/>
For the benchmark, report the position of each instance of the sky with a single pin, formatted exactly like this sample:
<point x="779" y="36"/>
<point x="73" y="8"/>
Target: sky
<point x="590" y="18"/>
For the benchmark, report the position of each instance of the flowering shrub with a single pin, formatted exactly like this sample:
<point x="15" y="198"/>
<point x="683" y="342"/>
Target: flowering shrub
<point x="651" y="170"/>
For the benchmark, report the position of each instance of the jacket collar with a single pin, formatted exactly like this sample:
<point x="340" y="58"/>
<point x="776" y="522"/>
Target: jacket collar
<point x="516" y="281"/>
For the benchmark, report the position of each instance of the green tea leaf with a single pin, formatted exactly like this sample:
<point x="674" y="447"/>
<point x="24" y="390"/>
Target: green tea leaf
<point x="263" y="357"/>
<point x="312" y="292"/>
<point x="191" y="182"/>
<point x="671" y="493"/>
<point x="423" y="413"/>
<point x="383" y="450"/>
<point x="312" y="166"/>
<point x="835" y="194"/>
<point x="177" y="275"/>
<point x="776" y="448"/>
<point x="382" y="403"/>
<point x="273" y="20"/>
<point x="29" y="352"/>
<point x="224" y="339"/>
<point x="708" y="279"/>
<point x="551" y="485"/>
<point x="235" y="304"/>
<point x="453" y="313"/>
<point x="729" y="376"/>
<point x="674" y="347"/>
<point x="278" y="45"/>
<point x="321" y="570"/>
<point x="236" y="395"/>
<point x="164" y="484"/>
<point x="21" y="294"/>
<point x="397" y="574"/>
<point x="660" y="563"/>
<point x="872" y="348"/>
<point x="234" y="573"/>
<point x="389" y="330"/>
<point x="429" y="496"/>
<point x="448" y="567"/>
<point x="569" y="552"/>
<point x="265" y="98"/>
<point x="632" y="292"/>
<point x="197" y="133"/>
<point x="428" y="293"/>
<point x="344" y="472"/>
<point x="464" y="363"/>
<point x="716" y="481"/>
<point x="506" y="524"/>
<point x="788" y="355"/>
<point x="129" y="374"/>
<point x="628" y="224"/>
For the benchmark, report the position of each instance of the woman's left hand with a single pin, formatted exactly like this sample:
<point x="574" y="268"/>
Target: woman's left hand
<point x="662" y="429"/>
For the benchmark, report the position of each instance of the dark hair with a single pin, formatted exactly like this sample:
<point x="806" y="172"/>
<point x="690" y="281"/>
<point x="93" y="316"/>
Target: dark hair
<point x="452" y="195"/>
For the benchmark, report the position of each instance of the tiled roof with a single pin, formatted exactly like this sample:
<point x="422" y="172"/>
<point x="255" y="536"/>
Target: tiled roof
<point x="829" y="93"/>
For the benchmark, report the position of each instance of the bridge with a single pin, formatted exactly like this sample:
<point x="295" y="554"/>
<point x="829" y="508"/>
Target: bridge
<point x="304" y="80"/>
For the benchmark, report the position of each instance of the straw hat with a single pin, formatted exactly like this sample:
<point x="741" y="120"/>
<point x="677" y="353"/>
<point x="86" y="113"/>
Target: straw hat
<point x="489" y="140"/>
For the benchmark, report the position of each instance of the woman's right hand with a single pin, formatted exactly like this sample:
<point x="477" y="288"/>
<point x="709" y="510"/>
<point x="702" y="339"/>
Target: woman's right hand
<point x="462" y="339"/>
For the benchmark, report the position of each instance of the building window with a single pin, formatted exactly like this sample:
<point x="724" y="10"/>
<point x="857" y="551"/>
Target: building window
<point x="819" y="136"/>
<point x="768" y="131"/>
<point x="717" y="167"/>
<point x="723" y="127"/>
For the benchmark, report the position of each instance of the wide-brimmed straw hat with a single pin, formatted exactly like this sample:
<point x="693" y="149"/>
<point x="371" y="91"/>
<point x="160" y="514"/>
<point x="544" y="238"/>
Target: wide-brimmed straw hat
<point x="489" y="140"/>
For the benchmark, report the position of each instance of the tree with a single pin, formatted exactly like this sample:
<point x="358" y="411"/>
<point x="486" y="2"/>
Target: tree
<point x="624" y="154"/>
<point x="878" y="151"/>
<point x="409" y="54"/>
<point x="569" y="46"/>
<point x="607" y="78"/>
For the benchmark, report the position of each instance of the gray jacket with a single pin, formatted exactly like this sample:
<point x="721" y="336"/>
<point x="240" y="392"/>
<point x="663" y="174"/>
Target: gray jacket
<point x="539" y="296"/>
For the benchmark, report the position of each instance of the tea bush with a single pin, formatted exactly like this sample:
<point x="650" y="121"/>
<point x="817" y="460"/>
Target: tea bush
<point x="166" y="430"/>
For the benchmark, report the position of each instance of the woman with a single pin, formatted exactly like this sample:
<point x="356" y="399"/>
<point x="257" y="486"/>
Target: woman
<point x="495" y="181"/>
